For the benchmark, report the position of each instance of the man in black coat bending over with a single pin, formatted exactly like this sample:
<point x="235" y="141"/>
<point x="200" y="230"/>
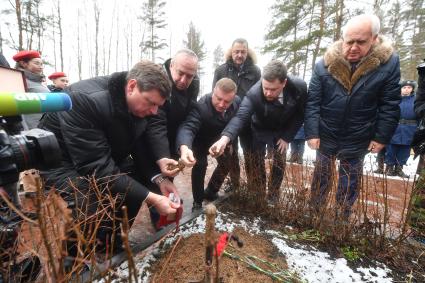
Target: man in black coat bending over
<point x="181" y="70"/>
<point x="274" y="110"/>
<point x="201" y="129"/>
<point x="98" y="136"/>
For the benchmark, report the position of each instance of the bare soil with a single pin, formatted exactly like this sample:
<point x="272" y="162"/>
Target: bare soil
<point x="187" y="261"/>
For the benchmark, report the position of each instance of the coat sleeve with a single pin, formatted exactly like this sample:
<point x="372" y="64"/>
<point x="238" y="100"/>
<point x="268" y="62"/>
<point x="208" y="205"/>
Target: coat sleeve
<point x="388" y="104"/>
<point x="189" y="128"/>
<point x="420" y="94"/>
<point x="88" y="147"/>
<point x="241" y="119"/>
<point x="156" y="135"/>
<point x="257" y="74"/>
<point x="296" y="121"/>
<point x="216" y="77"/>
<point x="312" y="109"/>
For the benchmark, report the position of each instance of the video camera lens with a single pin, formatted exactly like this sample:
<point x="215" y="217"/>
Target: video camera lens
<point x="35" y="148"/>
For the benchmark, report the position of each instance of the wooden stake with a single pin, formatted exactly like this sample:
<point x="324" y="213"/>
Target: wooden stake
<point x="211" y="212"/>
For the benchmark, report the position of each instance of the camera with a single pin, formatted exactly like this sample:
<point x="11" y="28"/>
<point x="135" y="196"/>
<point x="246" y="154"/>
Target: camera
<point x="35" y="148"/>
<point x="20" y="151"/>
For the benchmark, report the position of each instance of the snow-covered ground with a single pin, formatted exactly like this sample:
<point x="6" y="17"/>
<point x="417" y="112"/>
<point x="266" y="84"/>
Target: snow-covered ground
<point x="369" y="163"/>
<point x="311" y="264"/>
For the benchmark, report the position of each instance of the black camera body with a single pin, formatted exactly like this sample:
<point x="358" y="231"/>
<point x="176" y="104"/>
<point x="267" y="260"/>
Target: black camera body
<point x="421" y="68"/>
<point x="35" y="148"/>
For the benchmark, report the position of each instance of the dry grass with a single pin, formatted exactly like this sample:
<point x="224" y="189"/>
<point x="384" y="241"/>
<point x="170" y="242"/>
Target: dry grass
<point x="377" y="227"/>
<point x="53" y="243"/>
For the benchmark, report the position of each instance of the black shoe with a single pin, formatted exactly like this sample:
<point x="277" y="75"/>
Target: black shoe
<point x="196" y="206"/>
<point x="390" y="170"/>
<point x="272" y="202"/>
<point x="399" y="172"/>
<point x="210" y="195"/>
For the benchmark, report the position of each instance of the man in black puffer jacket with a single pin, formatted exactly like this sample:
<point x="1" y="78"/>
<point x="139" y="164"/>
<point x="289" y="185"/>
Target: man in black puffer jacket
<point x="240" y="67"/>
<point x="97" y="137"/>
<point x="201" y="129"/>
<point x="274" y="110"/>
<point x="352" y="108"/>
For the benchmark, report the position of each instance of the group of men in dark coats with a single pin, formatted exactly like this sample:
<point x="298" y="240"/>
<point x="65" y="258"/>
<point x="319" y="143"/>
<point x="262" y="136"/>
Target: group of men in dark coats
<point x="351" y="109"/>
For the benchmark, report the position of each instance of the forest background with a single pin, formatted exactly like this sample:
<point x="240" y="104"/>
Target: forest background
<point x="87" y="38"/>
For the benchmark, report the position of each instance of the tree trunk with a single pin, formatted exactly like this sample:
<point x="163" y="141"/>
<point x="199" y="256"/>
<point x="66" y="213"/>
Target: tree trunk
<point x="321" y="28"/>
<point x="152" y="42"/>
<point x="338" y="19"/>
<point x="1" y="41"/>
<point x="310" y="25"/>
<point x="118" y="41"/>
<point x="96" y="41"/>
<point x="19" y="20"/>
<point x="79" y="55"/>
<point x="31" y="26"/>
<point x="60" y="35"/>
<point x="54" y="39"/>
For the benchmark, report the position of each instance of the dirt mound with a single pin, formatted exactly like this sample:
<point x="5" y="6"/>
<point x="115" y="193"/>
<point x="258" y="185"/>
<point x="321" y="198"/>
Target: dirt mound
<point x="186" y="263"/>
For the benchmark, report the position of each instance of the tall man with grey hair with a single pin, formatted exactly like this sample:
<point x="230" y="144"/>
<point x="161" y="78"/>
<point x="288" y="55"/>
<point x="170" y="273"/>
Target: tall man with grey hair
<point x="274" y="109"/>
<point x="352" y="107"/>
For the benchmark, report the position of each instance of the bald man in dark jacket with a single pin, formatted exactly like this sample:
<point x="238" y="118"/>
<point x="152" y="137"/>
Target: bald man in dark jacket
<point x="274" y="109"/>
<point x="201" y="129"/>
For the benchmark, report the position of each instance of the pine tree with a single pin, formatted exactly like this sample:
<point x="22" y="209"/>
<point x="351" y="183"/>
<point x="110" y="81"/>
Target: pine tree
<point x="194" y="43"/>
<point x="154" y="18"/>
<point x="218" y="55"/>
<point x="297" y="30"/>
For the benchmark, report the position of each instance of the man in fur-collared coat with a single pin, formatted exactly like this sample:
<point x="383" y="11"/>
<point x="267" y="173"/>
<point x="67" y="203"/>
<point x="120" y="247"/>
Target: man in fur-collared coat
<point x="352" y="107"/>
<point x="240" y="67"/>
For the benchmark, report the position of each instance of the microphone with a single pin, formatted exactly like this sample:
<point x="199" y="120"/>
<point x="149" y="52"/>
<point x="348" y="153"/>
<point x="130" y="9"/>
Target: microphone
<point x="16" y="103"/>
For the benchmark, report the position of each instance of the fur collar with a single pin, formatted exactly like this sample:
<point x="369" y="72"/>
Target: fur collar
<point x="340" y="68"/>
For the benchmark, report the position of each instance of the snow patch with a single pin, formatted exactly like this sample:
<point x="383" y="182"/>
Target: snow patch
<point x="316" y="266"/>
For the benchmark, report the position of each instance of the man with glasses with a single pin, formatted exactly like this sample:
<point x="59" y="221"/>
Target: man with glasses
<point x="98" y="136"/>
<point x="352" y="107"/>
<point x="240" y="67"/>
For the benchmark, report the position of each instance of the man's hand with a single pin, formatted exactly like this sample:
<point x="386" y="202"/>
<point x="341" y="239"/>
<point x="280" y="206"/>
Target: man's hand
<point x="163" y="204"/>
<point x="186" y="156"/>
<point x="164" y="165"/>
<point x="219" y="146"/>
<point x="375" y="147"/>
<point x="167" y="187"/>
<point x="314" y="143"/>
<point x="282" y="146"/>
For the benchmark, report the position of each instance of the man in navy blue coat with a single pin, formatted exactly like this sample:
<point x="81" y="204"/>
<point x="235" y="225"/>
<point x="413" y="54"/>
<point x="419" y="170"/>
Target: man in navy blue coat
<point x="273" y="109"/>
<point x="201" y="129"/>
<point x="352" y="107"/>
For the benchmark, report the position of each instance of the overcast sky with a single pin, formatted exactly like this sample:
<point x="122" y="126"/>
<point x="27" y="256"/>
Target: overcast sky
<point x="219" y="22"/>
